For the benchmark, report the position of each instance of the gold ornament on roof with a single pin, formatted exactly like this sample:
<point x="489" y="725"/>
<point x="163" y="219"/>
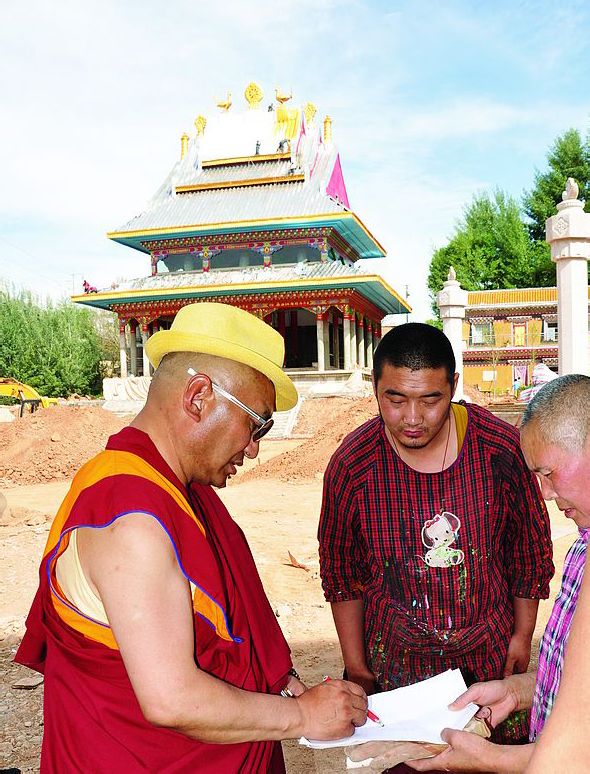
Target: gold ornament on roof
<point x="184" y="145"/>
<point x="200" y="124"/>
<point x="282" y="96"/>
<point x="327" y="129"/>
<point x="253" y="94"/>
<point x="225" y="104"/>
<point x="310" y="110"/>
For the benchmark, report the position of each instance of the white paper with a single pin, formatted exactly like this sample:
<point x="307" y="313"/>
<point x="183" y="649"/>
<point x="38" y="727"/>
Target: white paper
<point x="414" y="713"/>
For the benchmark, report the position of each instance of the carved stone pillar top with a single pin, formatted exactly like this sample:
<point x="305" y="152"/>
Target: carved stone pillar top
<point x="452" y="299"/>
<point x="568" y="232"/>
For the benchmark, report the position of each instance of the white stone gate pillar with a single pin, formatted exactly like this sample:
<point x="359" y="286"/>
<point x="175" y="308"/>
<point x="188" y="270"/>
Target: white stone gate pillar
<point x="568" y="233"/>
<point x="452" y="301"/>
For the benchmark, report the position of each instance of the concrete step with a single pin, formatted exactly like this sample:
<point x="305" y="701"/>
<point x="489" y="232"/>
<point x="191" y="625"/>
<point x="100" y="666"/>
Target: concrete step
<point x="284" y="421"/>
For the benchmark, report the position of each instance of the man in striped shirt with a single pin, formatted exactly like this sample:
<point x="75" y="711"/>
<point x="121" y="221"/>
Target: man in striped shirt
<point x="555" y="437"/>
<point x="435" y="545"/>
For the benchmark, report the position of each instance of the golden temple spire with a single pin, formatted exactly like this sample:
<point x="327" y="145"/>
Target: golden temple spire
<point x="282" y="96"/>
<point x="225" y="104"/>
<point x="183" y="145"/>
<point x="254" y="95"/>
<point x="200" y="124"/>
<point x="327" y="129"/>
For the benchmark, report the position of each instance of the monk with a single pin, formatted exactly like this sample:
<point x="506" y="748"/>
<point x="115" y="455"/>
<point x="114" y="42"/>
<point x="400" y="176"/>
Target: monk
<point x="159" y="648"/>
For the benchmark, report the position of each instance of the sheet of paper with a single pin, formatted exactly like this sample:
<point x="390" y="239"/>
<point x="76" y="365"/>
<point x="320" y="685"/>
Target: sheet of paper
<point x="415" y="713"/>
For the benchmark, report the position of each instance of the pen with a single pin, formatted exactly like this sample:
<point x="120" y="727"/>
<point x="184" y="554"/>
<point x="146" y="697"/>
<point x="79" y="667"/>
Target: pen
<point x="370" y="714"/>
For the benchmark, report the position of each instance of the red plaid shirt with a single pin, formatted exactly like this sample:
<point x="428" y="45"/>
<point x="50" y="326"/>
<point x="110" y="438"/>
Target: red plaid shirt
<point x="436" y="557"/>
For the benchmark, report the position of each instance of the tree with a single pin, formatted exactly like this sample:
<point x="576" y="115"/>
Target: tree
<point x="55" y="349"/>
<point x="568" y="157"/>
<point x="490" y="248"/>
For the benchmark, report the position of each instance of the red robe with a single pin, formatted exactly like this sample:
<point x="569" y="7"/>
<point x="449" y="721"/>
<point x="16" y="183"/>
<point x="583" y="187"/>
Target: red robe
<point x="93" y="721"/>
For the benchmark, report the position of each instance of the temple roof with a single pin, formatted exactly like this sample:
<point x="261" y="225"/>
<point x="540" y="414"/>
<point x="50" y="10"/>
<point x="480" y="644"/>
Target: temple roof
<point x="329" y="275"/>
<point x="214" y="207"/>
<point x="252" y="170"/>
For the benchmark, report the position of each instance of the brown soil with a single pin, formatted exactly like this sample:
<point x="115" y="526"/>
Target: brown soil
<point x="53" y="443"/>
<point x="331" y="419"/>
<point x="278" y="518"/>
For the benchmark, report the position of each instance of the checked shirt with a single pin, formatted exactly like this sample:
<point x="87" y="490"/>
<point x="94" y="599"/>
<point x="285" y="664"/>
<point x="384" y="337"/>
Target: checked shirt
<point x="556" y="635"/>
<point x="436" y="557"/>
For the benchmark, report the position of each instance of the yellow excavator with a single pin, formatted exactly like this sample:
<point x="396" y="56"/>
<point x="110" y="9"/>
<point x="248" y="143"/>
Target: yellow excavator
<point x="27" y="395"/>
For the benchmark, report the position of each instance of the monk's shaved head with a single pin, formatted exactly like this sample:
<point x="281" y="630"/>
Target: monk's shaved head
<point x="560" y="412"/>
<point x="172" y="373"/>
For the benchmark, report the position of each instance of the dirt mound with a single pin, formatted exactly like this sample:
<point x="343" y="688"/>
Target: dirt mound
<point x="474" y="395"/>
<point x="332" y="418"/>
<point x="53" y="443"/>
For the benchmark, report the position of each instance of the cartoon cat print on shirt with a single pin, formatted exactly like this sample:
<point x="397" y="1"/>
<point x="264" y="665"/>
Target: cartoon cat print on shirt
<point x="438" y="534"/>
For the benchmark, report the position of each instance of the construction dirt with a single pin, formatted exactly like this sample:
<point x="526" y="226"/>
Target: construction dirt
<point x="53" y="443"/>
<point x="276" y="500"/>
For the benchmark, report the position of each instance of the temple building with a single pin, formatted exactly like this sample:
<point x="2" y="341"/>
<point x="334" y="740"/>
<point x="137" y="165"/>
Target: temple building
<point x="255" y="213"/>
<point x="506" y="333"/>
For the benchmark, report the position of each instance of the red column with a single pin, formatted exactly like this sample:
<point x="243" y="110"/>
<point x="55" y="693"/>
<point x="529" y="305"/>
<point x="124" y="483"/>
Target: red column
<point x="294" y="335"/>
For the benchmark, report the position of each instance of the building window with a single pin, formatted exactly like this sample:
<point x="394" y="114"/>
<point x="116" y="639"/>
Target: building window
<point x="482" y="333"/>
<point x="519" y="334"/>
<point x="549" y="330"/>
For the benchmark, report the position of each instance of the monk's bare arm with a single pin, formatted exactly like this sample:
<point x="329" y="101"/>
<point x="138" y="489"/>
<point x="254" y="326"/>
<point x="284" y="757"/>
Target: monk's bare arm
<point x="134" y="570"/>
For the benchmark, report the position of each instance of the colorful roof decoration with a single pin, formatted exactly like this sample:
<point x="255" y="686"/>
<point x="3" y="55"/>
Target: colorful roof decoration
<point x="258" y="169"/>
<point x="256" y="205"/>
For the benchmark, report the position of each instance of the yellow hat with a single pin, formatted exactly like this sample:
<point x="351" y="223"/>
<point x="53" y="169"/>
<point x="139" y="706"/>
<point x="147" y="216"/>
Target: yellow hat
<point x="229" y="332"/>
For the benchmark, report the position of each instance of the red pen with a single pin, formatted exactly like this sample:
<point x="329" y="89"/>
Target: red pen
<point x="370" y="714"/>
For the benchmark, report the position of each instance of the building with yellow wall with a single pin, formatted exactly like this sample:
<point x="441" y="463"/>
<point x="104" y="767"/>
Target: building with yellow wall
<point x="506" y="333"/>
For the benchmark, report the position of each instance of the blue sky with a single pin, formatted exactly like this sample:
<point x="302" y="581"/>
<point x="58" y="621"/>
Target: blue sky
<point x="431" y="103"/>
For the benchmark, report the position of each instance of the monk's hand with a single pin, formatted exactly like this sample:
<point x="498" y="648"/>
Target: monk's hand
<point x="332" y="709"/>
<point x="296" y="686"/>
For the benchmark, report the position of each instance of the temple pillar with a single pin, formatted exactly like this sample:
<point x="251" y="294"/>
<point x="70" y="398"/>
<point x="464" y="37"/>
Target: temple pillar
<point x="336" y="334"/>
<point x="452" y="301"/>
<point x="324" y="249"/>
<point x="568" y="233"/>
<point x="321" y="339"/>
<point x="133" y="347"/>
<point x="327" y="349"/>
<point x="347" y="337"/>
<point x="281" y="322"/>
<point x="144" y="338"/>
<point x="361" y="342"/>
<point x="353" y="345"/>
<point x="294" y="336"/>
<point x="369" y="340"/>
<point x="123" y="349"/>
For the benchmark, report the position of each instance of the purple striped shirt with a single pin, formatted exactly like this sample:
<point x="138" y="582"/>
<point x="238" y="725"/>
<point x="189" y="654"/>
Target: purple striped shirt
<point x="556" y="635"/>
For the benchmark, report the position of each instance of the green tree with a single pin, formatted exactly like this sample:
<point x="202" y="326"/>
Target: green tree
<point x="569" y="156"/>
<point x="55" y="349"/>
<point x="490" y="248"/>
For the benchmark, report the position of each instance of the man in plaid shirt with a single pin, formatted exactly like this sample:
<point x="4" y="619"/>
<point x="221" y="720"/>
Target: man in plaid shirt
<point x="555" y="437"/>
<point x="435" y="545"/>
